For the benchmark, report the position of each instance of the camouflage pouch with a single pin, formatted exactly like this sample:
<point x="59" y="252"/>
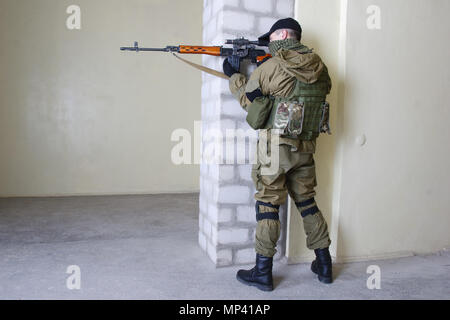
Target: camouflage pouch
<point x="288" y="119"/>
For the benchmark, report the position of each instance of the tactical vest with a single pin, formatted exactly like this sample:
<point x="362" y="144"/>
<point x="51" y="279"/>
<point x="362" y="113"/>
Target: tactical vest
<point x="304" y="113"/>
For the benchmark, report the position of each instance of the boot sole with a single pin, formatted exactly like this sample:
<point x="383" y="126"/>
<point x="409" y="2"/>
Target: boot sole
<point x="254" y="284"/>
<point x="326" y="280"/>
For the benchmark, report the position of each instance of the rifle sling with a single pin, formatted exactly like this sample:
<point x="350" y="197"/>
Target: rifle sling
<point x="203" y="68"/>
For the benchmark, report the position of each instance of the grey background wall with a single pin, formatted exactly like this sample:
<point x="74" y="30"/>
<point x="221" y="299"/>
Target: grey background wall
<point x="78" y="116"/>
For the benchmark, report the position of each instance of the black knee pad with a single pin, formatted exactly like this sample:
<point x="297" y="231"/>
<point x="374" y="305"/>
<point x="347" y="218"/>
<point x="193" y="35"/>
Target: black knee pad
<point x="266" y="215"/>
<point x="304" y="212"/>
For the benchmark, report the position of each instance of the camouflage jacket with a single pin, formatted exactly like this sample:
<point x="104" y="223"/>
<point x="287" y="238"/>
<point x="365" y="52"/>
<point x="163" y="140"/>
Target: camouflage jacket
<point x="277" y="77"/>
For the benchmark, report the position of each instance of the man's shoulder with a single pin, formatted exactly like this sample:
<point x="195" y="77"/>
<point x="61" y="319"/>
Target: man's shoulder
<point x="268" y="68"/>
<point x="270" y="64"/>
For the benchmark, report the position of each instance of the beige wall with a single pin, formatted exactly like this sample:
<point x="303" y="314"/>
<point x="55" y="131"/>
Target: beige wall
<point x="388" y="197"/>
<point x="77" y="115"/>
<point x="323" y="36"/>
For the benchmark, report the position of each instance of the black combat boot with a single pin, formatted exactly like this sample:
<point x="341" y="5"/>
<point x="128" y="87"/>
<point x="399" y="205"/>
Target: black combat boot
<point x="322" y="265"/>
<point x="260" y="275"/>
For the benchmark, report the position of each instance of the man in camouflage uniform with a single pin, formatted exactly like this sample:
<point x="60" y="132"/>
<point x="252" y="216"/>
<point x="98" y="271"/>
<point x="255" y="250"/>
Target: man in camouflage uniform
<point x="294" y="78"/>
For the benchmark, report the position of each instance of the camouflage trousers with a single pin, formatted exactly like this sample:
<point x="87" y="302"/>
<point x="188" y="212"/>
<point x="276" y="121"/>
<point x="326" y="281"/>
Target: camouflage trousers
<point x="293" y="174"/>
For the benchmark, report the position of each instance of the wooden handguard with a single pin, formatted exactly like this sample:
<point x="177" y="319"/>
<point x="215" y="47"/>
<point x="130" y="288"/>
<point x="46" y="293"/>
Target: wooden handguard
<point x="261" y="58"/>
<point x="213" y="51"/>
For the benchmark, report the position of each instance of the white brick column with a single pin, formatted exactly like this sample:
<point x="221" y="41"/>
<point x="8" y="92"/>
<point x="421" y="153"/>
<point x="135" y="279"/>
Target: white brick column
<point x="227" y="218"/>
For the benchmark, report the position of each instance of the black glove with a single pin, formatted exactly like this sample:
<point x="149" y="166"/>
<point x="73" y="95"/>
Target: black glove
<point x="258" y="63"/>
<point x="228" y="68"/>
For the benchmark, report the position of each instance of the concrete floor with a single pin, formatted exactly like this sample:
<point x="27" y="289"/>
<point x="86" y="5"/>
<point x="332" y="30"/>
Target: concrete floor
<point x="145" y="247"/>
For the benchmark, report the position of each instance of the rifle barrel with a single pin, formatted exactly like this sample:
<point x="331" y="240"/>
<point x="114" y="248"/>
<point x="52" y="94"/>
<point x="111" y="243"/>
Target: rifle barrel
<point x="137" y="48"/>
<point x="153" y="49"/>
<point x="143" y="49"/>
